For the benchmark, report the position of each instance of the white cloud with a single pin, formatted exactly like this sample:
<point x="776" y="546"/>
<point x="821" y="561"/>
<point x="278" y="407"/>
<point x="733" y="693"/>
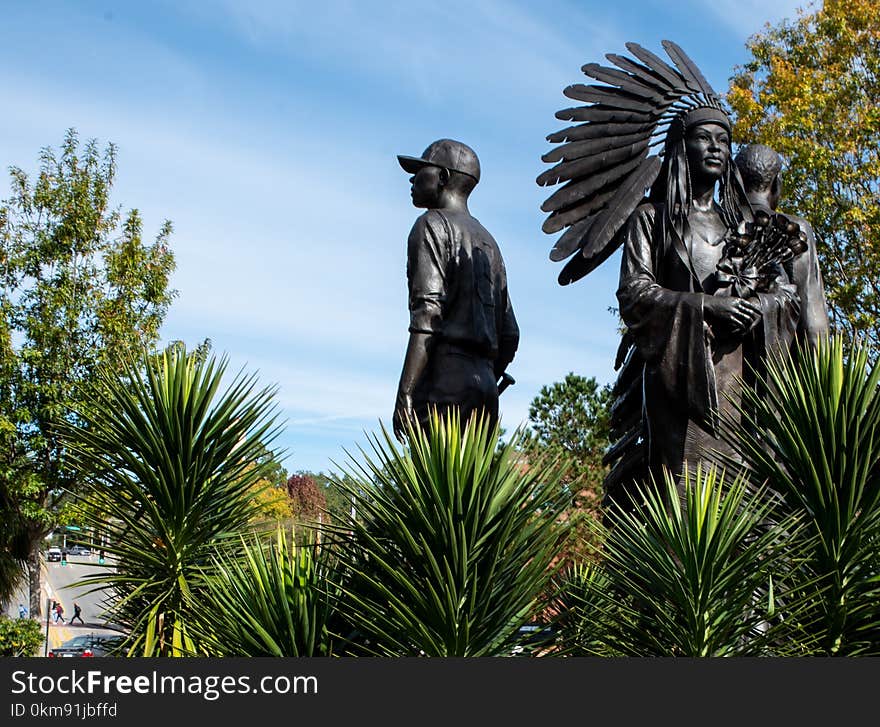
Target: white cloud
<point x="326" y="390"/>
<point x="748" y="17"/>
<point x="500" y="48"/>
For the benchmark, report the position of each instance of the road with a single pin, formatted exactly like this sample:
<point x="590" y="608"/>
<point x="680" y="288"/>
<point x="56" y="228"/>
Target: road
<point x="59" y="585"/>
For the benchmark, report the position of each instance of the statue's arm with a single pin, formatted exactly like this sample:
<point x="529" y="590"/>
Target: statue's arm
<point x="426" y="264"/>
<point x="508" y="339"/>
<point x="650" y="311"/>
<point x="807" y="275"/>
<point x="415" y="363"/>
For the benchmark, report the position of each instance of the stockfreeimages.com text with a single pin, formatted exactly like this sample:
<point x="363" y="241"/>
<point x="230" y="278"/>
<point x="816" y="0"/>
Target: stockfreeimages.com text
<point x="210" y="687"/>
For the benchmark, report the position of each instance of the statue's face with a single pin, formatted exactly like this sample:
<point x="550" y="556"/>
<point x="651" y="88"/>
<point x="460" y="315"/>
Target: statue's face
<point x="708" y="150"/>
<point x="426" y="187"/>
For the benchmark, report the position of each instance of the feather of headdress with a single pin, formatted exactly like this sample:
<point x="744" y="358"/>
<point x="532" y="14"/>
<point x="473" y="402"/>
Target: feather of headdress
<point x="628" y="195"/>
<point x="564" y="171"/>
<point x="602" y="114"/>
<point x="645" y="74"/>
<point x="571" y="239"/>
<point x="657" y="64"/>
<point x="593" y="131"/>
<point x="629" y="467"/>
<point x="619" y="79"/>
<point x="563" y="218"/>
<point x="605" y="96"/>
<point x="588" y="147"/>
<point x="579" y="266"/>
<point x="577" y="189"/>
<point x="596" y="247"/>
<point x="627" y="363"/>
<point x="688" y="68"/>
<point x="622" y="444"/>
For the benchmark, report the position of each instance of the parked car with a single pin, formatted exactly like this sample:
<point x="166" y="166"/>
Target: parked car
<point x="53" y="554"/>
<point x="533" y="637"/>
<point x="86" y="646"/>
<point x="74" y="647"/>
<point x="105" y="645"/>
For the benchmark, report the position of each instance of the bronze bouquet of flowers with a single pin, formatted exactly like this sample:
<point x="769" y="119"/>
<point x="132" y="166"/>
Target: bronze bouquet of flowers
<point x="754" y="254"/>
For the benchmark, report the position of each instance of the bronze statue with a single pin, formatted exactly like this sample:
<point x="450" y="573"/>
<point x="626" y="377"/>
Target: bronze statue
<point x="761" y="171"/>
<point x="462" y="332"/>
<point x="703" y="290"/>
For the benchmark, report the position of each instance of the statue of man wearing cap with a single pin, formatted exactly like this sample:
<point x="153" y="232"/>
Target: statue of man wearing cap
<point x="462" y="331"/>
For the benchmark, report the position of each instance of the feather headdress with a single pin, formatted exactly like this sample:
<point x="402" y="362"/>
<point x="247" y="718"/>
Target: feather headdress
<point x="608" y="161"/>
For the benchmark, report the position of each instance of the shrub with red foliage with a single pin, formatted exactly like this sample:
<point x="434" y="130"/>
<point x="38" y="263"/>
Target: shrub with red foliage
<point x="306" y="498"/>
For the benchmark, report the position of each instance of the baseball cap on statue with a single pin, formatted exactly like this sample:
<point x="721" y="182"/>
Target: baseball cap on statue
<point x="447" y="153"/>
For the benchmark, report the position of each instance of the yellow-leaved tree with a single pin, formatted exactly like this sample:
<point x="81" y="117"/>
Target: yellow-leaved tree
<point x="273" y="504"/>
<point x="812" y="93"/>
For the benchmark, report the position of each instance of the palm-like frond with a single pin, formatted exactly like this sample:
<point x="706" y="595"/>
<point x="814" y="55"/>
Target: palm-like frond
<point x="577" y="618"/>
<point x="698" y="578"/>
<point x="268" y="599"/>
<point x="813" y="434"/>
<point x="13" y="545"/>
<point x="170" y="461"/>
<point x="452" y="543"/>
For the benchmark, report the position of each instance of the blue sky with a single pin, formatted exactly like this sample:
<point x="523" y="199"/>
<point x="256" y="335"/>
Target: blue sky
<point x="266" y="131"/>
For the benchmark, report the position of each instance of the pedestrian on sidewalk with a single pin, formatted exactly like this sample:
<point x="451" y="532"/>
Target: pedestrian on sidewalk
<point x="22" y="611"/>
<point x="59" y="612"/>
<point x="77" y="614"/>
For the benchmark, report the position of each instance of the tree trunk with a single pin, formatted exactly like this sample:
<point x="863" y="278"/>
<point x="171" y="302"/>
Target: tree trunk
<point x="35" y="579"/>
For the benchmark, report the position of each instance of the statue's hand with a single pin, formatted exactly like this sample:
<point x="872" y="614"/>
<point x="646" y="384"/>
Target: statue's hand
<point x="403" y="412"/>
<point x="736" y="314"/>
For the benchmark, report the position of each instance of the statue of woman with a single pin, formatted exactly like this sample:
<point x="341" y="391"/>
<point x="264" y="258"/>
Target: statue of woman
<point x="702" y="292"/>
<point x="698" y="339"/>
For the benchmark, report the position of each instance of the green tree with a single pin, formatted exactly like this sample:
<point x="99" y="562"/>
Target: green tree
<point x="572" y="416"/>
<point x="171" y="460"/>
<point x="19" y="637"/>
<point x="569" y="422"/>
<point x="811" y="93"/>
<point x="80" y="288"/>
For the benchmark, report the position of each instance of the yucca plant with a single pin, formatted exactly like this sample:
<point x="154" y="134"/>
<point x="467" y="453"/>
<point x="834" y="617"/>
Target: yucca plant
<point x="579" y="588"/>
<point x="694" y="575"/>
<point x="274" y="596"/>
<point x="813" y="434"/>
<point x="452" y="542"/>
<point x="169" y="460"/>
